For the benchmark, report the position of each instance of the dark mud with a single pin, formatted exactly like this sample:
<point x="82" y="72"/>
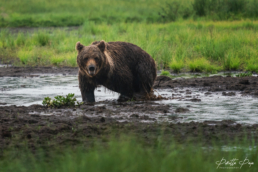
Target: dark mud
<point x="21" y="126"/>
<point x="246" y="85"/>
<point x="38" y="126"/>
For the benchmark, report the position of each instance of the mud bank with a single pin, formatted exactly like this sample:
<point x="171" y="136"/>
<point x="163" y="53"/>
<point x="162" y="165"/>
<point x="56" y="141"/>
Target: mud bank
<point x="247" y="85"/>
<point x="38" y="126"/>
<point x="19" y="126"/>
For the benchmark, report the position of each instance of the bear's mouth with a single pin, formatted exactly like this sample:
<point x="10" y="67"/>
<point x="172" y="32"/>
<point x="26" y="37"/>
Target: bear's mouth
<point x="91" y="72"/>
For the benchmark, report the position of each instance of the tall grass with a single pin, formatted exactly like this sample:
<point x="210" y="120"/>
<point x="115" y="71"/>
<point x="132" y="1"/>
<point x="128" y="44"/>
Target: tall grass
<point x="202" y="65"/>
<point x="231" y="62"/>
<point x="36" y="13"/>
<point x="131" y="155"/>
<point x="185" y="45"/>
<point x="41" y="38"/>
<point x="176" y="65"/>
<point x="252" y="65"/>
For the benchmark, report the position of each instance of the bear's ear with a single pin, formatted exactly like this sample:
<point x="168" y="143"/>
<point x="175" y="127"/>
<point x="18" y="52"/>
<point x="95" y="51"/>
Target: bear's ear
<point x="101" y="45"/>
<point x="79" y="46"/>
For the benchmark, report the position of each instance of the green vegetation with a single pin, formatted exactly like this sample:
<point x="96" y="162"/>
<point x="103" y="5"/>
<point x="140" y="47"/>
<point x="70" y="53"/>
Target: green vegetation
<point x="36" y="13"/>
<point x="202" y="65"/>
<point x="176" y="65"/>
<point x="252" y="65"/>
<point x="126" y="154"/>
<point x="60" y="101"/>
<point x="231" y="62"/>
<point x="165" y="73"/>
<point x="180" y="46"/>
<point x="196" y="40"/>
<point x="244" y="74"/>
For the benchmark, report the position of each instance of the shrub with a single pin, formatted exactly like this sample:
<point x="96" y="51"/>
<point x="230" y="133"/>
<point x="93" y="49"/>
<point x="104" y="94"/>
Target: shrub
<point x="176" y="9"/>
<point x="60" y="101"/>
<point x="199" y="7"/>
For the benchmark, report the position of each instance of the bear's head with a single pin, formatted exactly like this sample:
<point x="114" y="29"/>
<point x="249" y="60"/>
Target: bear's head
<point x="90" y="59"/>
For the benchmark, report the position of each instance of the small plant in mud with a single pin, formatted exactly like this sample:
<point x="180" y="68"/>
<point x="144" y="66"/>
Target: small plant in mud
<point x="244" y="74"/>
<point x="165" y="73"/>
<point x="68" y="100"/>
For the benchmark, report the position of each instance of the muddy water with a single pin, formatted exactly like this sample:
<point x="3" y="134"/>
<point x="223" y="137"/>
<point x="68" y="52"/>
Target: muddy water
<point x="206" y="106"/>
<point x="28" y="91"/>
<point x="197" y="105"/>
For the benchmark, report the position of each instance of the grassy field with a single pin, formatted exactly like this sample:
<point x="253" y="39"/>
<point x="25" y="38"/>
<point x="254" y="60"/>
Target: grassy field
<point x="128" y="154"/>
<point x="179" y="35"/>
<point x="36" y="13"/>
<point x="180" y="46"/>
<point x="74" y="13"/>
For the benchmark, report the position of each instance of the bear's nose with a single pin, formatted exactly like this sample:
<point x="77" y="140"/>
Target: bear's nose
<point x="91" y="68"/>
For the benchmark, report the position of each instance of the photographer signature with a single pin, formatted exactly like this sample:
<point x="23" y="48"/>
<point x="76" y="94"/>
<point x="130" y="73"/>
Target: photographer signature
<point x="234" y="162"/>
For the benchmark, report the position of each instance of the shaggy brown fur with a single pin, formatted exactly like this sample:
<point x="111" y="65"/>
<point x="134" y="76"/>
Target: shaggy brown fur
<point x="119" y="66"/>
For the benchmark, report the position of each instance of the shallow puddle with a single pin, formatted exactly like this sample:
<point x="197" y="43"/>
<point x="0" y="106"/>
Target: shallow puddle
<point x="5" y="65"/>
<point x="212" y="106"/>
<point x="32" y="90"/>
<point x="199" y="105"/>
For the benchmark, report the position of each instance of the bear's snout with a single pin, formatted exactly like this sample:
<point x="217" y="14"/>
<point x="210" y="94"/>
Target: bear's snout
<point x="91" y="69"/>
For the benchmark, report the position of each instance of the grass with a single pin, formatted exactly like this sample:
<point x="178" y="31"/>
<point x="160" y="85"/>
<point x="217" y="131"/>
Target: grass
<point x="127" y="154"/>
<point x="252" y="65"/>
<point x="40" y="13"/>
<point x="183" y="45"/>
<point x="231" y="62"/>
<point x="41" y="38"/>
<point x="176" y="65"/>
<point x="43" y="13"/>
<point x="244" y="74"/>
<point x="202" y="65"/>
<point x="165" y="73"/>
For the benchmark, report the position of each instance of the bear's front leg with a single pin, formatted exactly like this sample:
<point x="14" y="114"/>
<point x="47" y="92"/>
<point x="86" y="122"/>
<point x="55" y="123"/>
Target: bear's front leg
<point x="87" y="89"/>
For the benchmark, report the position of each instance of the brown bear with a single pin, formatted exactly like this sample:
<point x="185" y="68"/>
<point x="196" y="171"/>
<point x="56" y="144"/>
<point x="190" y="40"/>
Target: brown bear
<point x="119" y="66"/>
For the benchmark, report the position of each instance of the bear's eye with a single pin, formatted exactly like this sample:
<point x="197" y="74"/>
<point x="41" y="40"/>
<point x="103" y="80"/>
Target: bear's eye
<point x="96" y="58"/>
<point x="85" y="59"/>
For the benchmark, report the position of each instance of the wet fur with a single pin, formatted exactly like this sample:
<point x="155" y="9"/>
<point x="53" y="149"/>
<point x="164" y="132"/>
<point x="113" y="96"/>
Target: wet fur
<point x="126" y="69"/>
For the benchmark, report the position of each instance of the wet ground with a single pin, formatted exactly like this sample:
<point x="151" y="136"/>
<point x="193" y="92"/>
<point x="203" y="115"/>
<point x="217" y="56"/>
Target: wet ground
<point x="215" y="108"/>
<point x="182" y="103"/>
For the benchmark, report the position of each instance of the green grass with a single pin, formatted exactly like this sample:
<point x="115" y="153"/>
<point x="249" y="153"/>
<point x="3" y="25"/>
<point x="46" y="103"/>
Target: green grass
<point x="165" y="73"/>
<point x="127" y="154"/>
<point x="183" y="45"/>
<point x="38" y="13"/>
<point x="231" y="62"/>
<point x="202" y="65"/>
<point x="41" y="38"/>
<point x="252" y="65"/>
<point x="244" y="74"/>
<point x="176" y="65"/>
